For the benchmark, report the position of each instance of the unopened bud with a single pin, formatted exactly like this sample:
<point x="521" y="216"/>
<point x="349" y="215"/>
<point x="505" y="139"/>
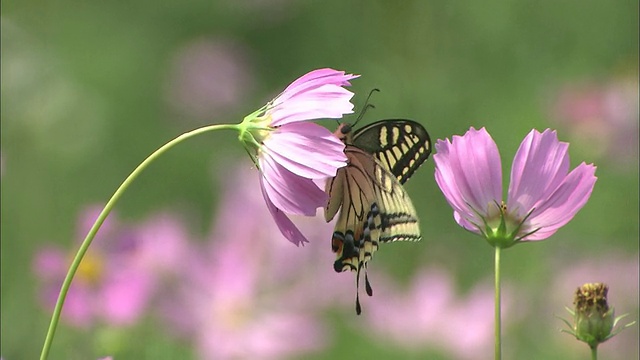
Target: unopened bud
<point x="592" y="317"/>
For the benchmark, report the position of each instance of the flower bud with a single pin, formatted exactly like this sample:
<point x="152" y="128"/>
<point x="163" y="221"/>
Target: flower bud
<point x="593" y="318"/>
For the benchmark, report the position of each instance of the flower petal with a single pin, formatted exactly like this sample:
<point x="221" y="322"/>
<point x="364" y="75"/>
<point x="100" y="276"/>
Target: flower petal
<point x="316" y="78"/>
<point x="469" y="175"/>
<point x="318" y="94"/>
<point x="125" y="293"/>
<point x="287" y="228"/>
<point x="289" y="192"/>
<point x="469" y="225"/>
<point x="327" y="101"/>
<point x="540" y="165"/>
<point x="564" y="203"/>
<point x="307" y="150"/>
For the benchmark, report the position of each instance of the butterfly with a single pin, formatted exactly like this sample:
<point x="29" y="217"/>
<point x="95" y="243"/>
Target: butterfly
<point x="374" y="207"/>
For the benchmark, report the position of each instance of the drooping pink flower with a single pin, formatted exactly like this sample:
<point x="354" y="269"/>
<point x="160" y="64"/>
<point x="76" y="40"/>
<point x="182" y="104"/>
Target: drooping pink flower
<point x="117" y="277"/>
<point x="291" y="152"/>
<point x="543" y="195"/>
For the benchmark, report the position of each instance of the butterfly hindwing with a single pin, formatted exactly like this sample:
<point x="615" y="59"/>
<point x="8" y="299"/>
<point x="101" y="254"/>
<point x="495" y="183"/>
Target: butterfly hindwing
<point x="374" y="207"/>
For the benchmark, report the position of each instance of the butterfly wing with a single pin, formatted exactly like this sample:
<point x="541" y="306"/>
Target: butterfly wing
<point x="368" y="192"/>
<point x="374" y="207"/>
<point x="400" y="145"/>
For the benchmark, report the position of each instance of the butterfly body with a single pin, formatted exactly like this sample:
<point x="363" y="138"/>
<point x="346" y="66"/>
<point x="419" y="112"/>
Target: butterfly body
<point x="374" y="207"/>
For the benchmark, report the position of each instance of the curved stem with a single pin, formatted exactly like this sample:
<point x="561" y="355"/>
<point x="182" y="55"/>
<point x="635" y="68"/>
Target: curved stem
<point x="498" y="347"/>
<point x="55" y="317"/>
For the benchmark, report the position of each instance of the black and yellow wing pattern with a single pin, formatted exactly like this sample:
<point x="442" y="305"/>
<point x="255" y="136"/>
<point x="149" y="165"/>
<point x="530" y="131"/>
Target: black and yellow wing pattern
<point x="368" y="192"/>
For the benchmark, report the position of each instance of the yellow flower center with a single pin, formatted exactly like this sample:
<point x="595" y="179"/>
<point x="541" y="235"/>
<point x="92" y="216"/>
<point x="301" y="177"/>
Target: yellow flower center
<point x="503" y="228"/>
<point x="90" y="269"/>
<point x="232" y="313"/>
<point x="496" y="213"/>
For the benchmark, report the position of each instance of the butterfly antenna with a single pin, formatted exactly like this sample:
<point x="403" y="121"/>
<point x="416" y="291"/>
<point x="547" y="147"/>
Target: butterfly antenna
<point x="366" y="106"/>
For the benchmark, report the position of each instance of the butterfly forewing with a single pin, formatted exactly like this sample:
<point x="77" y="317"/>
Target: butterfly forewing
<point x="400" y="145"/>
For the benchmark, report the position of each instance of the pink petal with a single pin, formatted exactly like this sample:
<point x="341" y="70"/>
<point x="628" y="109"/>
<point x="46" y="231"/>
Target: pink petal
<point x="79" y="306"/>
<point x="238" y="278"/>
<point x="307" y="150"/>
<point x="556" y="211"/>
<point x="282" y="334"/>
<point x="540" y="165"/>
<point x="461" y="219"/>
<point x="162" y="243"/>
<point x="124" y="295"/>
<point x="318" y="94"/>
<point x="287" y="228"/>
<point x="327" y="101"/>
<point x="469" y="175"/>
<point x="289" y="192"/>
<point x="50" y="263"/>
<point x="315" y="79"/>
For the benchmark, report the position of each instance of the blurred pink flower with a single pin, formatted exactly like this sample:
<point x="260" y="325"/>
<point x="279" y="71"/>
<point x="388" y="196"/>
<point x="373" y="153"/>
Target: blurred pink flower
<point x="291" y="152"/>
<point x="119" y="274"/>
<point x="209" y="78"/>
<point x="543" y="196"/>
<point x="247" y="294"/>
<point x="620" y="273"/>
<point x="603" y="117"/>
<point x="307" y="272"/>
<point x="430" y="315"/>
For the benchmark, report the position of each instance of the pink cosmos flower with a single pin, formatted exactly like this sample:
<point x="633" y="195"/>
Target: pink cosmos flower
<point x="209" y="78"/>
<point x="601" y="116"/>
<point x="543" y="196"/>
<point x="119" y="274"/>
<point x="223" y="306"/>
<point x="292" y="152"/>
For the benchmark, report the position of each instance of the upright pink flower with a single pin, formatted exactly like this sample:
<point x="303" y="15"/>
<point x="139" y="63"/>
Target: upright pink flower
<point x="543" y="195"/>
<point x="291" y="152"/>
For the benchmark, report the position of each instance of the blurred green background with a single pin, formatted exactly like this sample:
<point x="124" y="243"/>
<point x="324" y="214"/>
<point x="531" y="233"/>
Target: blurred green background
<point x="90" y="88"/>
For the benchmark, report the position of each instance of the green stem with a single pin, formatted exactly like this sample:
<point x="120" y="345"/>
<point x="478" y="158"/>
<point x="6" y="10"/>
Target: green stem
<point x="103" y="215"/>
<point x="498" y="347"/>
<point x="594" y="352"/>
